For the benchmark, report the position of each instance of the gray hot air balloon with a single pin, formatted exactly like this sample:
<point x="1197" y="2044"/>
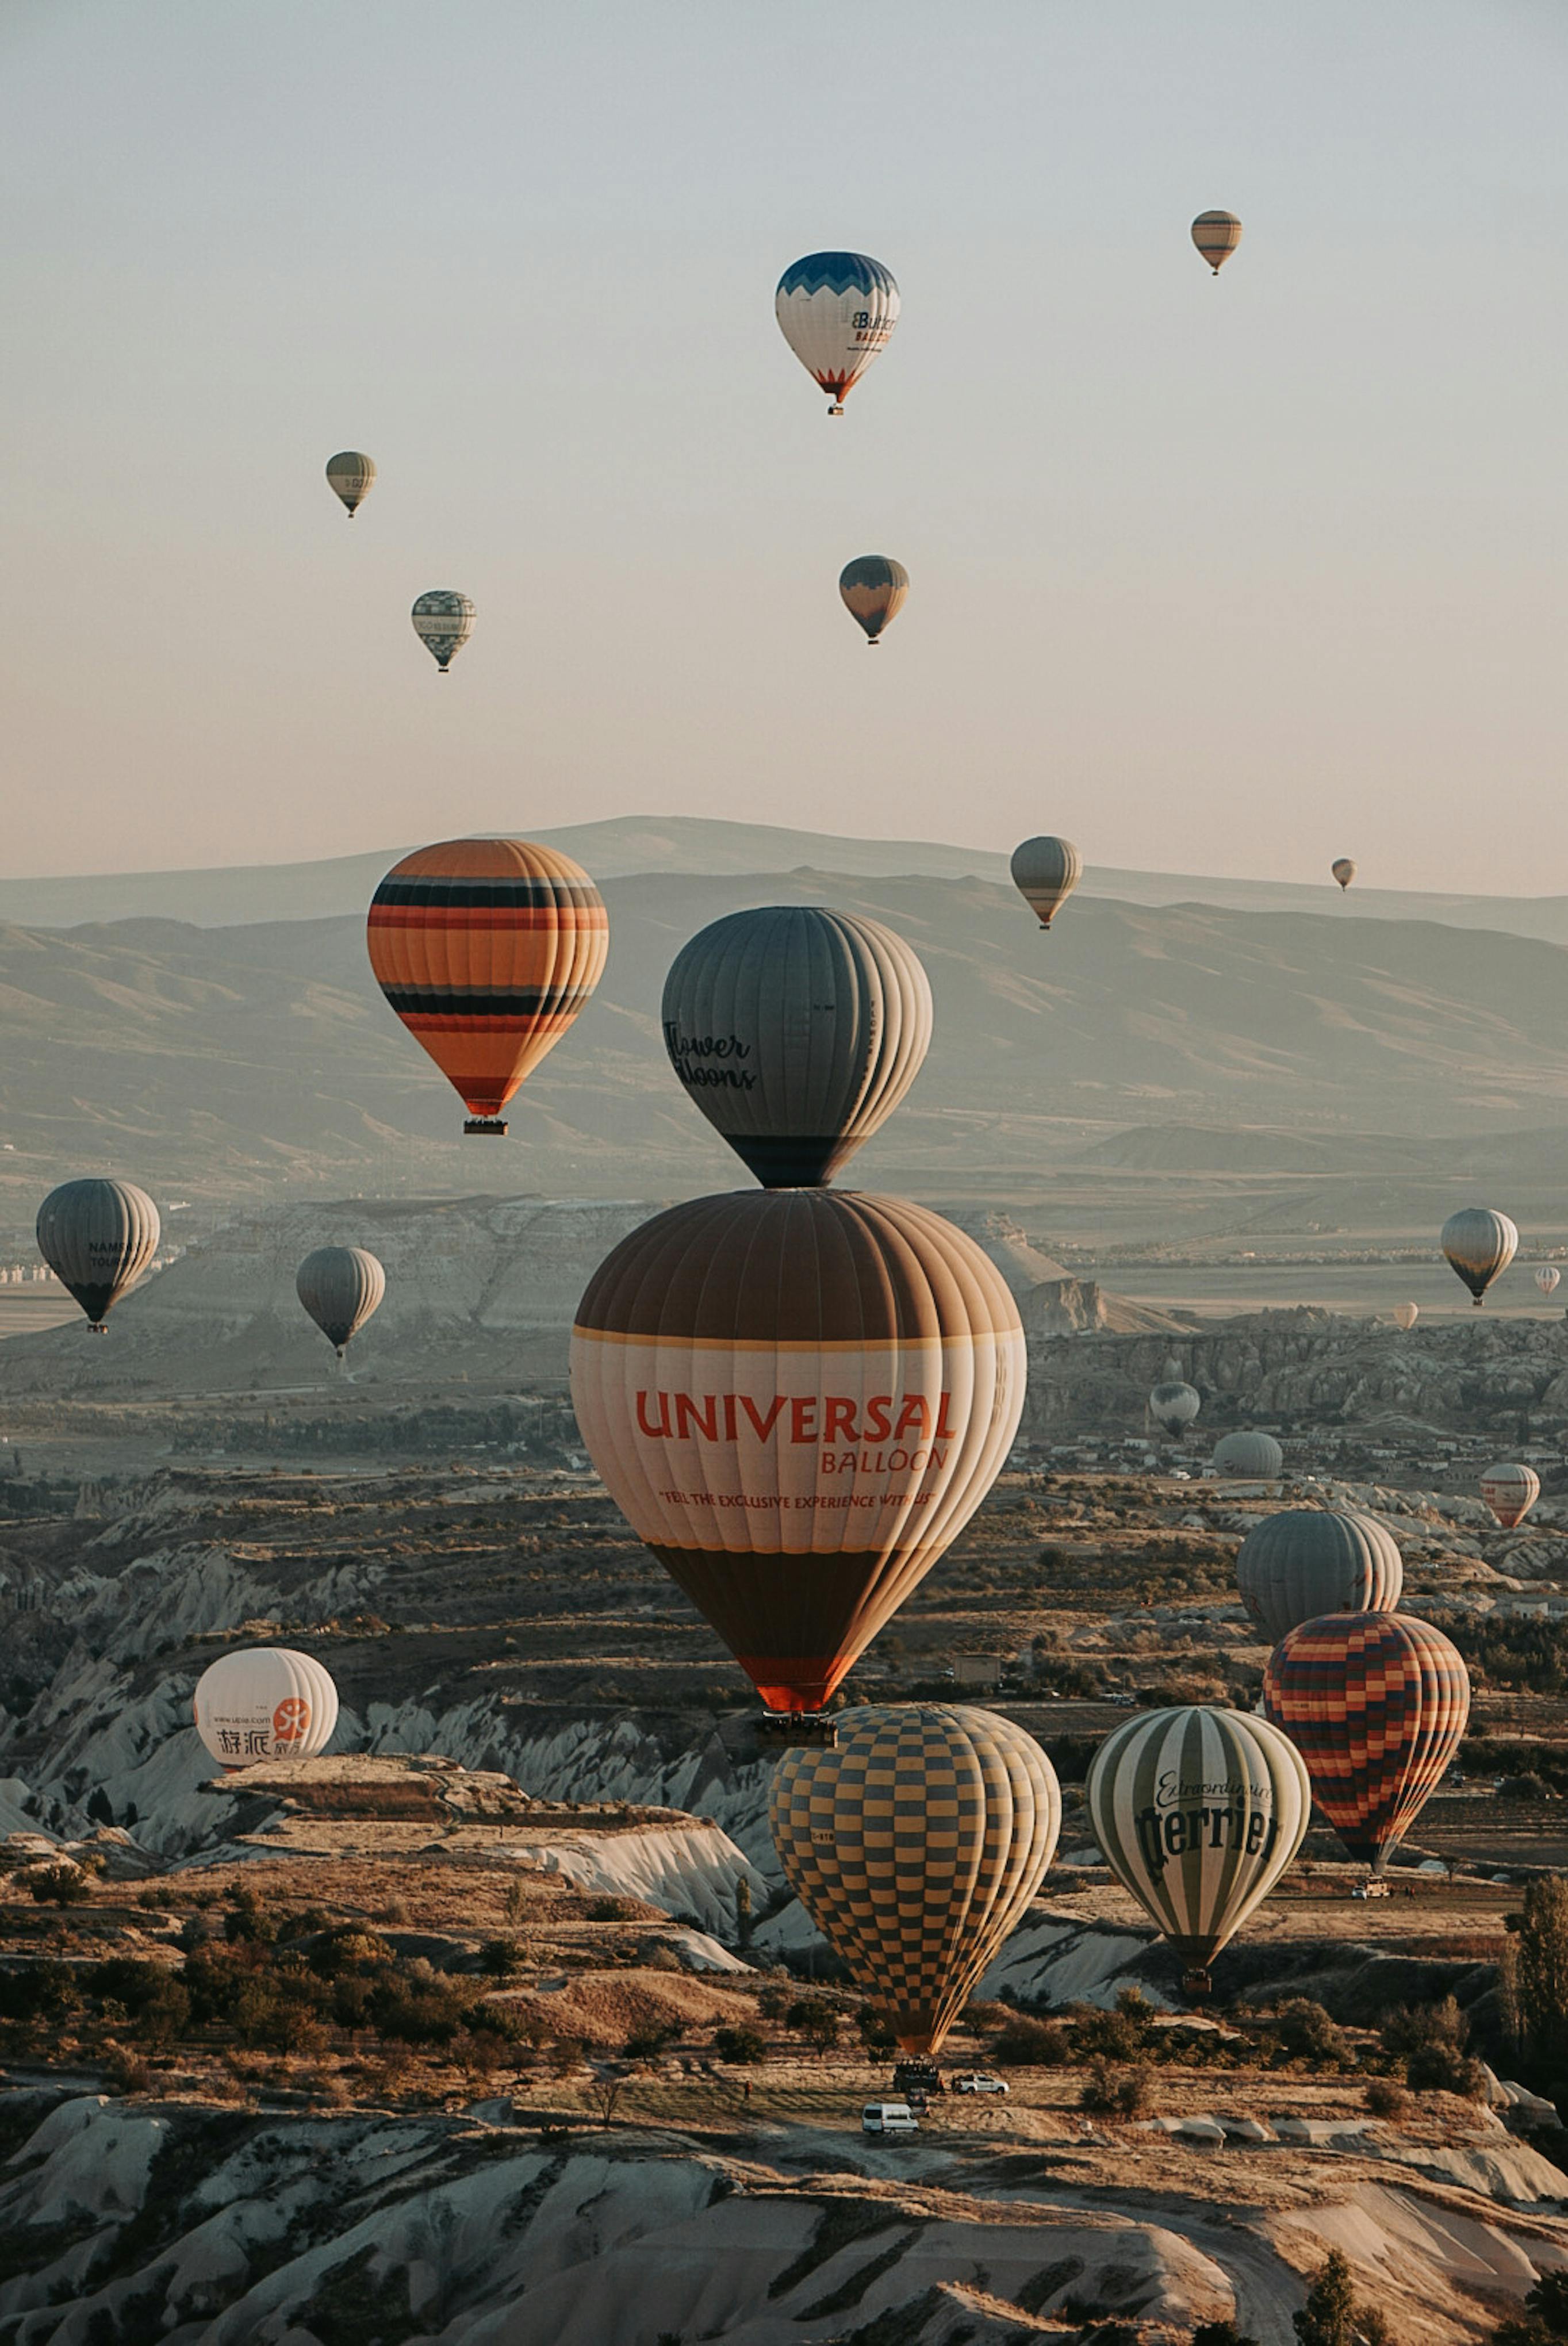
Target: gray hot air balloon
<point x="1309" y="1561"/>
<point x="340" y="1287"/>
<point x="874" y="589"/>
<point x="1173" y="1405"/>
<point x="1254" y="1457"/>
<point x="443" y="621"/>
<point x="797" y="1031"/>
<point x="98" y="1237"/>
<point x="351" y="477"/>
<point x="1045" y="872"/>
<point x="1198" y="1812"/>
<point x="1480" y="1245"/>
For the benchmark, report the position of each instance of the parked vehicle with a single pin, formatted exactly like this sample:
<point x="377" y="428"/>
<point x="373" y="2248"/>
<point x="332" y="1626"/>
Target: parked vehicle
<point x="979" y="2080"/>
<point x="888" y="2117"/>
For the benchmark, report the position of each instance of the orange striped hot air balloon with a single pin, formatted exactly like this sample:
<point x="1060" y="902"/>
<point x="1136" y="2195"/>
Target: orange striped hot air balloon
<point x="487" y="949"/>
<point x="1376" y="1704"/>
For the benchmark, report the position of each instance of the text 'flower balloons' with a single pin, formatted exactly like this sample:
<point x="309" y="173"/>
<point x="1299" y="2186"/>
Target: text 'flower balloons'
<point x="265" y="1702"/>
<point x="98" y="1237"/>
<point x="443" y="621"/>
<point x="1045" y="871"/>
<point x="351" y="477"/>
<point x="915" y="1844"/>
<point x="797" y="1031"/>
<point x="1480" y="1244"/>
<point x="487" y="949"/>
<point x="874" y="589"/>
<point x="837" y="311"/>
<point x="1376" y="1703"/>
<point x="1292" y="1568"/>
<point x="1197" y="1811"/>
<point x="340" y="1286"/>
<point x="1511" y="1492"/>
<point x="798" y="1399"/>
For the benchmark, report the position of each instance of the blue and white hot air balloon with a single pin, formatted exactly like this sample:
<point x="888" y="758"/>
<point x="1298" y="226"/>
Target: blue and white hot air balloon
<point x="838" y="311"/>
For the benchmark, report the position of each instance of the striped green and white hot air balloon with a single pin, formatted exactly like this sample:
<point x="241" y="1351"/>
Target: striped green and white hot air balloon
<point x="351" y="477"/>
<point x="443" y="621"/>
<point x="1045" y="871"/>
<point x="1198" y="1812"/>
<point x="1480" y="1244"/>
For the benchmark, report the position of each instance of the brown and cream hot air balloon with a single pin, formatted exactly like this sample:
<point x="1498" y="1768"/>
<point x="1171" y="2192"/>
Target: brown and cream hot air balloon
<point x="1405" y="1315"/>
<point x="1216" y="235"/>
<point x="916" y="1844"/>
<point x="1376" y="1704"/>
<point x="1344" y="871"/>
<point x="1511" y="1492"/>
<point x="1045" y="871"/>
<point x="798" y="1398"/>
<point x="98" y="1237"/>
<point x="487" y="949"/>
<point x="1480" y="1244"/>
<point x="874" y="589"/>
<point x="797" y="1031"/>
<point x="1548" y="1277"/>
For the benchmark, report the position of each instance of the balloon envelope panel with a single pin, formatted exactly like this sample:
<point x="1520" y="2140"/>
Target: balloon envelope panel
<point x="1198" y="1812"/>
<point x="798" y="1399"/>
<point x="797" y="1031"/>
<point x="1309" y="1561"/>
<point x="487" y="949"/>
<point x="98" y="1237"/>
<point x="1376" y="1703"/>
<point x="265" y="1702"/>
<point x="915" y="1845"/>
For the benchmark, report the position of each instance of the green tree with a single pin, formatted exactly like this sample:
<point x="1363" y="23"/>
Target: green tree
<point x="814" y="2018"/>
<point x="1329" y="2316"/>
<point x="1220" y="2333"/>
<point x="743" y="1913"/>
<point x="1537" y="1975"/>
<point x="1544" y="2321"/>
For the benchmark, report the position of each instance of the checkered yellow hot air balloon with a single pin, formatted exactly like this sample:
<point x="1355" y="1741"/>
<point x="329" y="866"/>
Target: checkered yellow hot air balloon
<point x="915" y="1844"/>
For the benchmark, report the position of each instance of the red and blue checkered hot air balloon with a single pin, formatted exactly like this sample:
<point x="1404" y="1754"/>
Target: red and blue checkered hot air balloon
<point x="1376" y="1704"/>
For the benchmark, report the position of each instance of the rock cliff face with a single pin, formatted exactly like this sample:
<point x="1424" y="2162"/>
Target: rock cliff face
<point x="236" y="2227"/>
<point x="1312" y="1365"/>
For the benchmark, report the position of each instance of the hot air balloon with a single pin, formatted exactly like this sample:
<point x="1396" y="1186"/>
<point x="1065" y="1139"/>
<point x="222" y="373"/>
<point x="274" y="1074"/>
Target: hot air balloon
<point x="1376" y="1703"/>
<point x="1173" y="1405"/>
<point x="1255" y="1457"/>
<point x="915" y="1844"/>
<point x="1547" y="1278"/>
<point x="1480" y="1244"/>
<point x="837" y="311"/>
<point x="487" y="949"/>
<point x="265" y="1702"/>
<point x="1198" y="1813"/>
<point x="1344" y="871"/>
<point x="1405" y="1315"/>
<point x="1511" y="1492"/>
<point x="1216" y="236"/>
<point x="874" y="589"/>
<point x="1045" y="872"/>
<point x="798" y="1398"/>
<point x="351" y="477"/>
<point x="1309" y="1561"/>
<point x="797" y="1031"/>
<point x="98" y="1237"/>
<point x="443" y="621"/>
<point x="340" y="1286"/>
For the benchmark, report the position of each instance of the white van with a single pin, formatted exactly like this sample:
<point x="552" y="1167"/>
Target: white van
<point x="888" y="2117"/>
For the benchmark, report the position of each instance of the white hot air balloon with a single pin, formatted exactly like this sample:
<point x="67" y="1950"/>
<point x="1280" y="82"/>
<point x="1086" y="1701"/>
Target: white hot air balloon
<point x="265" y="1702"/>
<point x="837" y="311"/>
<point x="1405" y="1315"/>
<point x="1547" y="1278"/>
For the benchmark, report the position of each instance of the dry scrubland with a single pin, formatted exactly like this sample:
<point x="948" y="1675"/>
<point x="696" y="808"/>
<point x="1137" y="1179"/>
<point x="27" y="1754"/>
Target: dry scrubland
<point x="398" y="2050"/>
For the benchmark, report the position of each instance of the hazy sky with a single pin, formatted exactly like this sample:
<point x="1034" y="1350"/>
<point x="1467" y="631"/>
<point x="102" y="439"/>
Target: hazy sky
<point x="1230" y="576"/>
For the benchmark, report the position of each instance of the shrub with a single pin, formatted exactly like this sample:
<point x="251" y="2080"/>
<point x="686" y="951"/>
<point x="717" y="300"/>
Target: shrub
<point x="1385" y="2099"/>
<point x="1031" y="2045"/>
<point x="1431" y="2040"/>
<point x="1116" y="2093"/>
<point x="499" y="1959"/>
<point x="64" y="1884"/>
<point x="646" y="2043"/>
<point x="875" y="2031"/>
<point x="742" y="2047"/>
<point x="813" y="2017"/>
<point x="1307" y="2033"/>
<point x="612" y="1910"/>
<point x="125" y="2072"/>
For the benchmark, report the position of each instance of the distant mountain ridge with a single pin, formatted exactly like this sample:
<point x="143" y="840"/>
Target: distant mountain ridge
<point x="698" y="847"/>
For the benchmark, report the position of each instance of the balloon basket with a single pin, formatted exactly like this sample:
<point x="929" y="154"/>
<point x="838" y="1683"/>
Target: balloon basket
<point x="1196" y="1985"/>
<point x="784" y="1728"/>
<point x="485" y="1124"/>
